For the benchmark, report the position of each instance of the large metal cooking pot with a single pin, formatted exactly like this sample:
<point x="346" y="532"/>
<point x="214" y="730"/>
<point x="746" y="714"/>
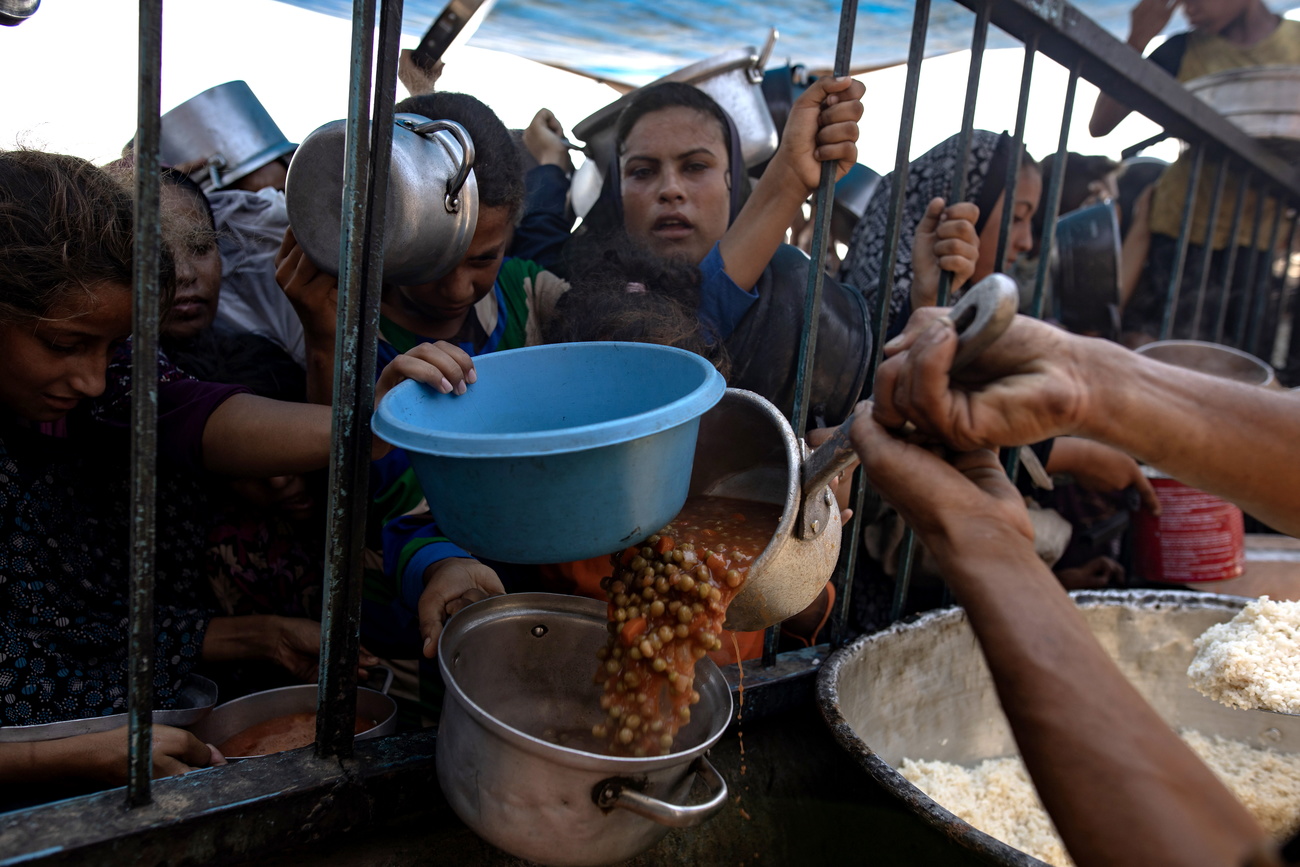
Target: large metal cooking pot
<point x="238" y="714"/>
<point x="227" y="127"/>
<point x="1085" y="270"/>
<point x="733" y="79"/>
<point x="922" y="690"/>
<point x="519" y="709"/>
<point x="432" y="204"/>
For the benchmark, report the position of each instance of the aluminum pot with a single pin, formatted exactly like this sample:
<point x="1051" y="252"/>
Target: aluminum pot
<point x="432" y="204"/>
<point x="921" y="690"/>
<point x="196" y="700"/>
<point x="733" y="79"/>
<point x="1212" y="358"/>
<point x="227" y="127"/>
<point x="1085" y="270"/>
<point x="1263" y="100"/>
<point x="238" y="714"/>
<point x="518" y="713"/>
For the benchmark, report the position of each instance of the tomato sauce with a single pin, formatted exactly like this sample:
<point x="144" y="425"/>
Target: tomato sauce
<point x="287" y="732"/>
<point x="668" y="599"/>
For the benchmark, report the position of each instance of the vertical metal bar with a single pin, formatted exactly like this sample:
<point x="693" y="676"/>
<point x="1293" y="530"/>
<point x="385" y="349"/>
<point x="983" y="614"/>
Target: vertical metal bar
<point x="1272" y="310"/>
<point x="1054" y="188"/>
<point x="1293" y="317"/>
<point x="1262" y="280"/>
<point x="816" y="278"/>
<point x="1180" y="251"/>
<point x="958" y="189"/>
<point x="915" y="54"/>
<point x="1230" y="266"/>
<point x="1013" y="164"/>
<point x="369" y="149"/>
<point x="846" y="568"/>
<point x="1239" y="338"/>
<point x="1207" y="253"/>
<point x="144" y="405"/>
<point x="1011" y="460"/>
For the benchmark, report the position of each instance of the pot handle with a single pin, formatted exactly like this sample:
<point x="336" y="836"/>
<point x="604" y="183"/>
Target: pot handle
<point x="980" y="317"/>
<point x="760" y="64"/>
<point x="388" y="677"/>
<point x="452" y="199"/>
<point x="615" y="792"/>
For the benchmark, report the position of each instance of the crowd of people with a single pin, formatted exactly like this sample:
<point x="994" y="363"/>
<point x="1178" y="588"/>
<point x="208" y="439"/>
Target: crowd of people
<point x="684" y="248"/>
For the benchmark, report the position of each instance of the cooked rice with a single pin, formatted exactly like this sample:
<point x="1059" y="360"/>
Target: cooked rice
<point x="1253" y="660"/>
<point x="997" y="797"/>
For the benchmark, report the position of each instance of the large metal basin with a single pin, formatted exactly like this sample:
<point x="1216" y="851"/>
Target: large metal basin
<point x="921" y="690"/>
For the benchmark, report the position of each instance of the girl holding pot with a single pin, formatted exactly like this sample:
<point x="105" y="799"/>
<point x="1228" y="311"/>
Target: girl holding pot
<point x="66" y="238"/>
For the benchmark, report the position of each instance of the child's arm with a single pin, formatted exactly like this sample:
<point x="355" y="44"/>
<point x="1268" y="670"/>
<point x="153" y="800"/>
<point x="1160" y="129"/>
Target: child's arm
<point x="945" y="240"/>
<point x="823" y="126"/>
<point x="102" y="757"/>
<point x="1146" y="20"/>
<point x="256" y="437"/>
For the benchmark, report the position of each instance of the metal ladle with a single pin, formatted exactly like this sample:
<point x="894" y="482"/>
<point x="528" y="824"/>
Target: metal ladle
<point x="747" y="450"/>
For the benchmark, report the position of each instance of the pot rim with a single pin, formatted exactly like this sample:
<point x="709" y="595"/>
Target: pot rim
<point x="553" y="441"/>
<point x="557" y="603"/>
<point x="294" y="689"/>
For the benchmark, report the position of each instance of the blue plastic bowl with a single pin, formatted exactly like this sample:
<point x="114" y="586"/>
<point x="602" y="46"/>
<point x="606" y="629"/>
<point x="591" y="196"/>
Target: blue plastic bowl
<point x="558" y="452"/>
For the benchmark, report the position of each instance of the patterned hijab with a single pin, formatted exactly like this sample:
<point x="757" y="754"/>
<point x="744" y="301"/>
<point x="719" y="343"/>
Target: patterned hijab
<point x="928" y="177"/>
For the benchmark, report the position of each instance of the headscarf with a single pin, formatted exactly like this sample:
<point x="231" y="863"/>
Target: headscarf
<point x="928" y="177"/>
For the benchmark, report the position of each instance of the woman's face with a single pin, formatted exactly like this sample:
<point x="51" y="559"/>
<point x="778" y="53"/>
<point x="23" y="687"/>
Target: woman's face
<point x="52" y="364"/>
<point x="674" y="170"/>
<point x="193" y="243"/>
<point x="1029" y="186"/>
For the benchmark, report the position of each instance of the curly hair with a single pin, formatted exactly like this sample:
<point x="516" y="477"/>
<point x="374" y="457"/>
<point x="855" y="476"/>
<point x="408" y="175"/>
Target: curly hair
<point x="65" y="228"/>
<point x="497" y="166"/>
<point x="630" y="295"/>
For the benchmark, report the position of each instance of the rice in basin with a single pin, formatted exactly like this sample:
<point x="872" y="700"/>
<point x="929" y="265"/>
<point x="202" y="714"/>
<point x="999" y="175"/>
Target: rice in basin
<point x="1253" y="660"/>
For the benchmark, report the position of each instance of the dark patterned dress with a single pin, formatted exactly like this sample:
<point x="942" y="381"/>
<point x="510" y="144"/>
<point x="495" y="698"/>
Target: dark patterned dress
<point x="64" y="568"/>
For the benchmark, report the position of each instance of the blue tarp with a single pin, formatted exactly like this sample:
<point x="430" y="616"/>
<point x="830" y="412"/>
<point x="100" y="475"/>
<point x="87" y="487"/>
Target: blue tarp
<point x="636" y="41"/>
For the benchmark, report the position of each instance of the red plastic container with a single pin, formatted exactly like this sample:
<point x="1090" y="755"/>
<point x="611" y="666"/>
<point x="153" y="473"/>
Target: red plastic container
<point x="1198" y="536"/>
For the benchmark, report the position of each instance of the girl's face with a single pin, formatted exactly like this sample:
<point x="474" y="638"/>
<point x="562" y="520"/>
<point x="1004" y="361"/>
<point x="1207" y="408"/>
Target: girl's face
<point x="193" y="243"/>
<point x="1029" y="187"/>
<point x="52" y="364"/>
<point x="676" y="193"/>
<point x="440" y="307"/>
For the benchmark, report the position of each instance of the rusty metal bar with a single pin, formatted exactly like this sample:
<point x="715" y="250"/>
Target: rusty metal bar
<point x="1054" y="189"/>
<point x="1011" y="460"/>
<point x="1230" y="266"/>
<point x="1248" y="285"/>
<point x="1263" y="279"/>
<point x="958" y="189"/>
<point x="812" y="302"/>
<point x="1207" y="253"/>
<point x="915" y="54"/>
<point x="1273" y="312"/>
<point x="1180" y="251"/>
<point x="144" y="405"/>
<point x="361" y="253"/>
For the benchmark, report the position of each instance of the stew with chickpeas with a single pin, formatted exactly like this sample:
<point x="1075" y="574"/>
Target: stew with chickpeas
<point x="668" y="598"/>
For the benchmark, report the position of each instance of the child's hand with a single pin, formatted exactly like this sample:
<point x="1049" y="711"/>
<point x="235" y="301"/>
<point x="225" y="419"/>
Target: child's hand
<point x="1147" y="19"/>
<point x="945" y="240"/>
<point x="544" y="139"/>
<point x="823" y="125"/>
<point x="313" y="293"/>
<point x="450" y="585"/>
<point x="442" y="365"/>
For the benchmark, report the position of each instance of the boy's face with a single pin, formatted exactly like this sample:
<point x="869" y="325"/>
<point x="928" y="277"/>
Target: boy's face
<point x="1212" y="16"/>
<point x="449" y="298"/>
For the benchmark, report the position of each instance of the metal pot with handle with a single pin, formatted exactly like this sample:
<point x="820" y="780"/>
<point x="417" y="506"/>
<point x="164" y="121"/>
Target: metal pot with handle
<point x="747" y="450"/>
<point x="516" y="757"/>
<point x="432" y="203"/>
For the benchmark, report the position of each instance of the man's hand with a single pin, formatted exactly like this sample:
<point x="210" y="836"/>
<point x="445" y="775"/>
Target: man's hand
<point x="103" y="756"/>
<point x="450" y="585"/>
<point x="1026" y="387"/>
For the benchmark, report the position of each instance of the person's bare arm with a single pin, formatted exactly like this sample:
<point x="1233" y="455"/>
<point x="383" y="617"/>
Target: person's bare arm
<point x="1038" y="381"/>
<point x="1121" y="787"/>
<point x="101" y="757"/>
<point x="1146" y="20"/>
<point x="823" y="126"/>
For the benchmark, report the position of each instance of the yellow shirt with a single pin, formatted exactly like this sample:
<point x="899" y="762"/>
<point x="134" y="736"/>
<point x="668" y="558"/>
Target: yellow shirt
<point x="1204" y="55"/>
